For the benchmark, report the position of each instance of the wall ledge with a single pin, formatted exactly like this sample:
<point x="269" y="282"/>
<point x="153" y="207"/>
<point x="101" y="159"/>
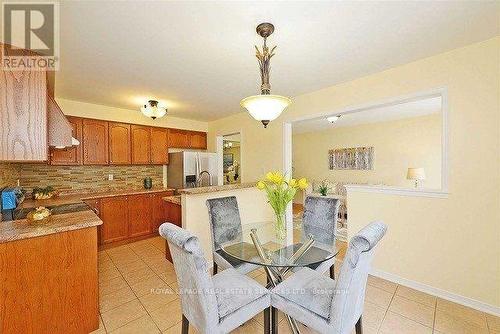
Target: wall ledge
<point x="388" y="190"/>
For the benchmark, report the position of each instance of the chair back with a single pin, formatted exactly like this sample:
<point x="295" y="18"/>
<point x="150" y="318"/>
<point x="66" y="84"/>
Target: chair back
<point x="198" y="300"/>
<point x="349" y="294"/>
<point x="320" y="219"/>
<point x="225" y="221"/>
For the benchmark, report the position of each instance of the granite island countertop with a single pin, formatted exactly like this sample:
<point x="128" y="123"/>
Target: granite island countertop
<point x="175" y="199"/>
<point x="210" y="189"/>
<point x="24" y="229"/>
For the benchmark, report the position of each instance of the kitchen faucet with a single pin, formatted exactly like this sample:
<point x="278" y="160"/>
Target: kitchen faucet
<point x="200" y="178"/>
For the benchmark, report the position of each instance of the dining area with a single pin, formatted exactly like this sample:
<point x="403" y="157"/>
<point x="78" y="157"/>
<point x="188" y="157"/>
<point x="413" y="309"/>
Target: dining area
<point x="299" y="265"/>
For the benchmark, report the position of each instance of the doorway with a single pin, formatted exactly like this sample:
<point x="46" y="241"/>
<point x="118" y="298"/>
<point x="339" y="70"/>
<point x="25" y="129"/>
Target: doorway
<point x="229" y="149"/>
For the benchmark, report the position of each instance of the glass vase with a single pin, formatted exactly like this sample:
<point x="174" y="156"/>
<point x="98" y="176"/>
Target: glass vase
<point x="280" y="226"/>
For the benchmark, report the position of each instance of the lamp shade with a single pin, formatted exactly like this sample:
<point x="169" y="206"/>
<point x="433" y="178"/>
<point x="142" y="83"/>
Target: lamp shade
<point x="265" y="107"/>
<point x="415" y="174"/>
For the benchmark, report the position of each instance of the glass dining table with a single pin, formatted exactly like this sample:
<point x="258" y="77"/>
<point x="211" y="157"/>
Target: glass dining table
<point x="301" y="247"/>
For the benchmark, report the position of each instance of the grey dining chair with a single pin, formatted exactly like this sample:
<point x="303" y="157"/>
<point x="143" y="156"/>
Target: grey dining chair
<point x="212" y="304"/>
<point x="320" y="220"/>
<point x="225" y="224"/>
<point x="325" y="305"/>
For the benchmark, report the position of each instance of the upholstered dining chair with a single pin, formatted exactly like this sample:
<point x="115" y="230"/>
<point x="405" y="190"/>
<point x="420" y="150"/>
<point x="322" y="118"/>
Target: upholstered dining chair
<point x="213" y="304"/>
<point x="320" y="220"/>
<point x="325" y="305"/>
<point x="225" y="224"/>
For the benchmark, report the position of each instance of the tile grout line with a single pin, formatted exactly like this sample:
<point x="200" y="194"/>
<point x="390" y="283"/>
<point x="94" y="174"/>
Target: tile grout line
<point x="387" y="310"/>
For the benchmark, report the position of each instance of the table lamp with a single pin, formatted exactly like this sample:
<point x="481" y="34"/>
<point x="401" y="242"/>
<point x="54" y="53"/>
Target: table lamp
<point x="417" y="174"/>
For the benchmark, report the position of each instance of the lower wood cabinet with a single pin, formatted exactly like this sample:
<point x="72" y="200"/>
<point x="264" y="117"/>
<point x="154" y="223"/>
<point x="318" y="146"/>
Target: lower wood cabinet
<point x="174" y="216"/>
<point x="114" y="214"/>
<point x="139" y="215"/>
<point x="128" y="217"/>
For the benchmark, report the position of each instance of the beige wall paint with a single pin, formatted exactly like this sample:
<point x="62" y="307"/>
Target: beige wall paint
<point x="450" y="244"/>
<point x="410" y="142"/>
<point x="83" y="109"/>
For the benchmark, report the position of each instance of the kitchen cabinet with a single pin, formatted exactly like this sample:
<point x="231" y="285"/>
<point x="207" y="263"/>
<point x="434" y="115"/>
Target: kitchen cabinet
<point x="139" y="215"/>
<point x="69" y="155"/>
<point x="159" y="146"/>
<point x="95" y="142"/>
<point x="174" y="216"/>
<point x="159" y="209"/>
<point x="114" y="214"/>
<point x="178" y="138"/>
<point x="141" y="144"/>
<point x="23" y="116"/>
<point x="119" y="143"/>
<point x="198" y="140"/>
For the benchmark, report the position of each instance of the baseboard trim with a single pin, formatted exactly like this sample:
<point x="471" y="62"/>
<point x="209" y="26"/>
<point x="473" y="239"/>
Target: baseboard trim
<point x="472" y="303"/>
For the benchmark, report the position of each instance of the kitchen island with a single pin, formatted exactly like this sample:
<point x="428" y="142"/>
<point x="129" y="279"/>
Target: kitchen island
<point x="48" y="274"/>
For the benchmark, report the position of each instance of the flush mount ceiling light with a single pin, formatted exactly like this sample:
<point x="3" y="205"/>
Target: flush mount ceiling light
<point x="153" y="110"/>
<point x="265" y="107"/>
<point x="333" y="119"/>
<point x="228" y="144"/>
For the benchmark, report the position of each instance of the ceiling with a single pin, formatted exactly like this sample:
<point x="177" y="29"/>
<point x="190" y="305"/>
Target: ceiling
<point x="375" y="115"/>
<point x="198" y="57"/>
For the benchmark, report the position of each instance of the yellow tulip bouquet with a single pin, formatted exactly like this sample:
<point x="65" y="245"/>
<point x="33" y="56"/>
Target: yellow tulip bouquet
<point x="280" y="192"/>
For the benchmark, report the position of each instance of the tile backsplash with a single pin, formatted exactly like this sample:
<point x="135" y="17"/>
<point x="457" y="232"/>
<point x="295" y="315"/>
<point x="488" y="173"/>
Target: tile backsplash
<point x="9" y="173"/>
<point x="78" y="178"/>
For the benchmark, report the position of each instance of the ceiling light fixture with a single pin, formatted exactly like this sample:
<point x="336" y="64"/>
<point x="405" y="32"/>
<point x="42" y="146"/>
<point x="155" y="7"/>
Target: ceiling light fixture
<point x="265" y="107"/>
<point x="153" y="110"/>
<point x="333" y="119"/>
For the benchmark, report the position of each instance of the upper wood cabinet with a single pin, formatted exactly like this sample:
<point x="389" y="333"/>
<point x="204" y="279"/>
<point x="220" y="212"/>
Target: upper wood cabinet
<point x="178" y="138"/>
<point x="23" y="116"/>
<point x="141" y="144"/>
<point x="159" y="146"/>
<point x="70" y="155"/>
<point x="198" y="140"/>
<point x="95" y="142"/>
<point x="119" y="143"/>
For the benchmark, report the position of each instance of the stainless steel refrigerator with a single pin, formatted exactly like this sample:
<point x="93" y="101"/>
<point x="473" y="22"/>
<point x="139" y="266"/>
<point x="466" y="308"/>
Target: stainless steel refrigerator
<point x="191" y="169"/>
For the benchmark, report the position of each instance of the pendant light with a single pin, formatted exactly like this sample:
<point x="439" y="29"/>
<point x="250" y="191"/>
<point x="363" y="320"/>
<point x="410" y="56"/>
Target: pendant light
<point x="153" y="110"/>
<point x="265" y="107"/>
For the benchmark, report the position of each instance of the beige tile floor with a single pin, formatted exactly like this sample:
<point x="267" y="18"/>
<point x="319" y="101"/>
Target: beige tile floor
<point x="137" y="295"/>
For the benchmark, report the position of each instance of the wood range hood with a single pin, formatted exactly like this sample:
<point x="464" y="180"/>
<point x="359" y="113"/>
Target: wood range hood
<point x="60" y="132"/>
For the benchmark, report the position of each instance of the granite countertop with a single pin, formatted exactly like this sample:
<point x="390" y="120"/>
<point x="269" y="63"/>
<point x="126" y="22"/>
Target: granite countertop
<point x="173" y="199"/>
<point x="23" y="229"/>
<point x="79" y="197"/>
<point x="210" y="189"/>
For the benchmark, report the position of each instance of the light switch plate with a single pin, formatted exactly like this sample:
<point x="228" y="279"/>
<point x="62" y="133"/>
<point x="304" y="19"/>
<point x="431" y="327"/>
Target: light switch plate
<point x="110" y="177"/>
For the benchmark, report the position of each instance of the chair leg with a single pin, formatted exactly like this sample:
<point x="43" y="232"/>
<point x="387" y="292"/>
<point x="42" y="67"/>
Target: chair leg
<point x="185" y="325"/>
<point x="267" y="321"/>
<point x="215" y="268"/>
<point x="332" y="271"/>
<point x="359" y="326"/>
<point x="274" y="320"/>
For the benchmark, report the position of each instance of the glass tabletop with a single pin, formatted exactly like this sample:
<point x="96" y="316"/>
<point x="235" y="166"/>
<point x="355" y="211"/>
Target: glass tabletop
<point x="280" y="252"/>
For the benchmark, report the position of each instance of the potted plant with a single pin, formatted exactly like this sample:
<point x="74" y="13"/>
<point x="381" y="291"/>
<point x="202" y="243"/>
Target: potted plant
<point x="323" y="188"/>
<point x="280" y="191"/>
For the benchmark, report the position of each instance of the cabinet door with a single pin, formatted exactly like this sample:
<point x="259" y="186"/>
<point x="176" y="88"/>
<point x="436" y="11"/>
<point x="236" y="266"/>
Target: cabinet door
<point x="174" y="216"/>
<point x="119" y="143"/>
<point x="139" y="215"/>
<point x="23" y="115"/>
<point x="159" y="146"/>
<point x="95" y="205"/>
<point x="141" y="144"/>
<point x="114" y="215"/>
<point x="178" y="138"/>
<point x="95" y="142"/>
<point x="159" y="210"/>
<point x="198" y="140"/>
<point x="70" y="155"/>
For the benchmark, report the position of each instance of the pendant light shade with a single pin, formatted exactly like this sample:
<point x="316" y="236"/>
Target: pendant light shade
<point x="265" y="107"/>
<point x="153" y="110"/>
